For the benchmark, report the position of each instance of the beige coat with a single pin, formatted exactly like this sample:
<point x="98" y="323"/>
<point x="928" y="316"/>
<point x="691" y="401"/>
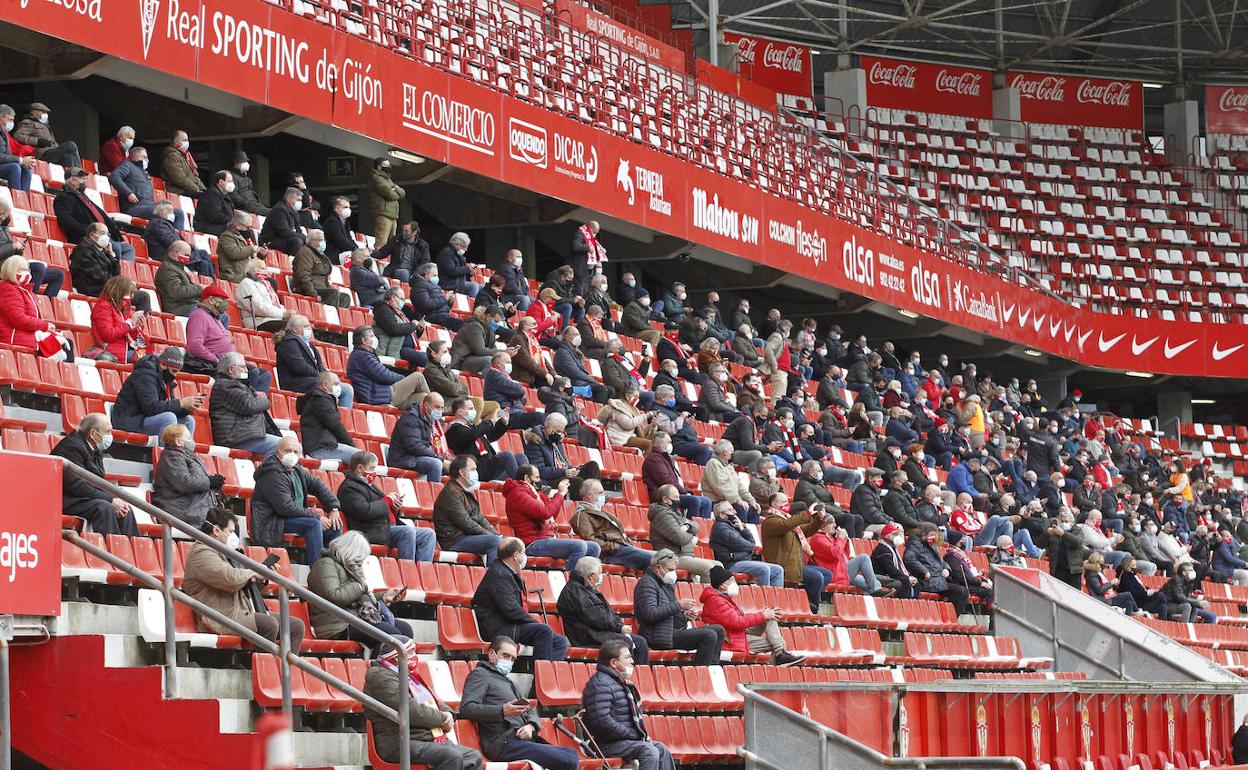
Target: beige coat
<point x="622" y="422"/>
<point x="720" y="481"/>
<point x="211" y="580"/>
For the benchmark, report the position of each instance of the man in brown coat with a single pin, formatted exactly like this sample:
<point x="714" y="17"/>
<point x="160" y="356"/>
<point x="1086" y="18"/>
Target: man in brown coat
<point x="311" y="272"/>
<point x="178" y="168"/>
<point x="784" y="530"/>
<point x="212" y="580"/>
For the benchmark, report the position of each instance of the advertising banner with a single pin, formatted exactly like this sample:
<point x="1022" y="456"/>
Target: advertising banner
<point x="921" y="87"/>
<point x="620" y="35"/>
<point x="783" y="67"/>
<point x="1226" y="109"/>
<point x="30" y="535"/>
<point x="261" y="52"/>
<point x="1079" y="101"/>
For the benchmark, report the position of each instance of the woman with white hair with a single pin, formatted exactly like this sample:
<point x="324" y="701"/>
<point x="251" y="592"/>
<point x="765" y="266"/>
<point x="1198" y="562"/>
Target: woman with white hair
<point x="257" y="301"/>
<point x="339" y="578"/>
<point x="181" y="483"/>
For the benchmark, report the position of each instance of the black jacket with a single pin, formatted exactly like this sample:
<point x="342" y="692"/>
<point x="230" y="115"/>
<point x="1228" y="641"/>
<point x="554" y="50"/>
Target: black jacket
<point x="462" y="438"/>
<point x="275" y="499"/>
<point x="75" y="448"/>
<point x="337" y="237"/>
<point x="90" y="267"/>
<point x="298" y="363"/>
<point x="924" y="562"/>
<point x="900" y="508"/>
<point x="391" y="322"/>
<point x="731" y="545"/>
<point x="867" y="503"/>
<point x="73" y="214"/>
<point x="485" y="691"/>
<point x="367" y="285"/>
<point x="281" y="224"/>
<point x="159" y="235"/>
<point x="319" y="421"/>
<point x="499" y="602"/>
<point x="742" y="433"/>
<point x="365" y="508"/>
<point x="213" y="211"/>
<point x="453" y="267"/>
<point x="146" y="392"/>
<point x="588" y="620"/>
<point x="403" y="255"/>
<point x="657" y="612"/>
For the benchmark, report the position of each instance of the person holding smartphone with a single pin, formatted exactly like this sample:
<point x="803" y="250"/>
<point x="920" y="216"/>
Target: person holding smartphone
<point x="507" y="723"/>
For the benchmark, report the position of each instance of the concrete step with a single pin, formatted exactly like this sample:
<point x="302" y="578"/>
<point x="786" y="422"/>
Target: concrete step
<point x="86" y="619"/>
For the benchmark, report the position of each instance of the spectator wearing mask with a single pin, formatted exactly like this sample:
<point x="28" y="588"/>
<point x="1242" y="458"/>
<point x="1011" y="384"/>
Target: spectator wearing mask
<point x="570" y="363"/>
<point x="457" y="517"/>
<point x="757" y="633"/>
<point x="1225" y="560"/>
<point x="312" y="269"/>
<point x="146" y="401"/>
<point x="215" y="210"/>
<point x="636" y="319"/>
<point x="443" y="380"/>
<point x="397" y="326"/>
<point x="16" y="159"/>
<point x="375" y="514"/>
<point x="373" y="382"/>
<point x="85" y="447"/>
<point x="734" y="546"/>
<point x="1006" y="554"/>
<point x="685" y="441"/>
<point x="92" y="262"/>
<point x="614" y="715"/>
<point x="587" y="255"/>
<point x="1181" y="604"/>
<point x="475" y="344"/>
<point x="384" y="198"/>
<point x="237" y="248"/>
<point x="281" y="230"/>
<point x="339" y="240"/>
<point x="159" y="234"/>
<point x="785" y="532"/>
<point x="34" y="130"/>
<point x="179" y="170"/>
<point x="319" y="422"/>
<point x="970" y="524"/>
<point x="76" y="214"/>
<point x="529" y="360"/>
<point x="455" y="269"/>
<point x="515" y="283"/>
<point x="181" y="484"/>
<point x="721" y="482"/>
<point x="43" y="279"/>
<point x="431" y="302"/>
<point x="212" y="580"/>
<point x="21" y="324"/>
<point x="279" y="504"/>
<point x="810" y="489"/>
<point x="178" y="293"/>
<point x="430" y="720"/>
<point x="244" y="196"/>
<point x="299" y="362"/>
<point x="501" y="605"/>
<point x="962" y="571"/>
<point x="339" y="579"/>
<point x="664" y="620"/>
<point x="588" y="619"/>
<point x="890" y="568"/>
<point x="830" y="550"/>
<point x="1067" y="550"/>
<point x="1106" y="589"/>
<point x="239" y="414"/>
<point x="258" y="303"/>
<point x="208" y="338"/>
<point x="592" y="522"/>
<point x="115" y="326"/>
<point x="466" y="435"/>
<point x="923" y="561"/>
<point x="369" y="287"/>
<point x="418" y="442"/>
<point x="133" y="184"/>
<point x="659" y="469"/>
<point x="672" y="530"/>
<point x="1096" y="539"/>
<point x="506" y="723"/>
<point x="531" y="515"/>
<point x="866" y="501"/>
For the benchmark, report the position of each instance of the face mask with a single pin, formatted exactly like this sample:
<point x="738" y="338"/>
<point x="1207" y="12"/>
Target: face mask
<point x="171" y="216"/>
<point x="23" y="278"/>
<point x="370" y="476"/>
<point x="931" y="540"/>
<point x="184" y="145"/>
<point x="102" y="241"/>
<point x="630" y="283"/>
<point x="788" y="424"/>
<point x="670" y="577"/>
<point x="898" y="539"/>
<point x="290" y="459"/>
<point x="645" y="301"/>
<point x="336" y="391"/>
<point x="320" y="246"/>
<point x="474" y="481"/>
<point x="503" y="666"/>
<point x="576" y="342"/>
<point x="434" y="280"/>
<point x="601" y="501"/>
<point x="143" y="164"/>
<point x="722" y="376"/>
<point x="518" y="261"/>
<point x="385" y="169"/>
<point x="1065" y="525"/>
<point x="297" y="205"/>
<point x="243" y="168"/>
<point x="232" y="542"/>
<point x="8" y="126"/>
<point x="732" y="589"/>
<point x="105" y="442"/>
<point x="771" y="473"/>
<point x="229" y="187"/>
<point x="444" y="359"/>
<point x="43" y="118"/>
<point x="597" y="581"/>
<point x="627" y="672"/>
<point x="896" y="453"/>
<point x="435" y="415"/>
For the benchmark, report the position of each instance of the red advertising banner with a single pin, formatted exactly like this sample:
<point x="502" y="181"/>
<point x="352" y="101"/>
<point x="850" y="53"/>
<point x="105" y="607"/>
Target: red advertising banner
<point x="329" y="76"/>
<point x="1079" y="101"/>
<point x="1226" y="109"/>
<point x="30" y="535"/>
<point x="921" y="87"/>
<point x="621" y="35"/>
<point x="783" y="67"/>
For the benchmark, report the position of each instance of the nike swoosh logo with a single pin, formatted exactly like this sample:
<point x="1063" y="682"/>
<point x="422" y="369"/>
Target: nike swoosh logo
<point x="1137" y="348"/>
<point x="1105" y="346"/>
<point x="1038" y="322"/>
<point x="1172" y="352"/>
<point x="1054" y="327"/>
<point x="1084" y="338"/>
<point x="1219" y="354"/>
<point x="1070" y="330"/>
<point x="1023" y="316"/>
<point x="1009" y="313"/>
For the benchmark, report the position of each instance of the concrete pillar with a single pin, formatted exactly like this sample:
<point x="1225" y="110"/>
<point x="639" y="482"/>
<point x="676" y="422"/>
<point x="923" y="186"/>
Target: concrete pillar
<point x="1053" y="390"/>
<point x="1172" y="404"/>
<point x="1007" y="112"/>
<point x="72" y="118"/>
<point x="1182" y="125"/>
<point x="845" y="92"/>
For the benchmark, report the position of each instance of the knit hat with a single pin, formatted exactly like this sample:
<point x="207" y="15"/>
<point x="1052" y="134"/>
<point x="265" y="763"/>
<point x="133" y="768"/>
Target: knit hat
<point x="173" y="356"/>
<point x="941" y="422"/>
<point x="719" y="576"/>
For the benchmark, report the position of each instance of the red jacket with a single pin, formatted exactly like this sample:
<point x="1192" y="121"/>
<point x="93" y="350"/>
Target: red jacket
<point x="17" y="148"/>
<point x="933" y="391"/>
<point x="19" y="316"/>
<point x="549" y="322"/>
<point x="528" y="512"/>
<point x="659" y="469"/>
<point x="111" y="155"/>
<point x="719" y="608"/>
<point x="831" y="554"/>
<point x="111" y="328"/>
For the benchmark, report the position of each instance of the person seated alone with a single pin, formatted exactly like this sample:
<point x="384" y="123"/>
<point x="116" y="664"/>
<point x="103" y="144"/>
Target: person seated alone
<point x="457" y="517"/>
<point x="311" y="271"/>
<point x="664" y="621"/>
<point x="299" y="363"/>
<point x="85" y="447"/>
<point x="240" y="416"/>
<point x="755" y="632"/>
<point x="508" y="724"/>
<point x="614" y="714"/>
<point x="375" y="384"/>
<point x="146" y="402"/>
<point x="320" y="425"/>
<point x="501" y="605"/>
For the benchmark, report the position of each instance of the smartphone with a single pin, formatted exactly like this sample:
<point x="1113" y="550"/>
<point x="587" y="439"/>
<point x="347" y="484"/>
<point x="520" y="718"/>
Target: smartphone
<point x="270" y="560"/>
<point x="523" y="702"/>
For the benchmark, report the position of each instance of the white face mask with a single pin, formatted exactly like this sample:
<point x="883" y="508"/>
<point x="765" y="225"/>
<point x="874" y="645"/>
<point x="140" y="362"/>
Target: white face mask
<point x="232" y="541"/>
<point x="101" y="241"/>
<point x="229" y="187"/>
<point x="185" y="145"/>
<point x="243" y="168"/>
<point x="345" y="213"/>
<point x="518" y="262"/>
<point x="336" y="391"/>
<point x="524" y="559"/>
<point x="507" y="368"/>
<point x="732" y="589"/>
<point x="670" y="577"/>
<point x="171" y="216"/>
<point x="297" y="205"/>
<point x="8" y="126"/>
<point x="445" y="359"/>
<point x="43" y="118"/>
<point x="307" y="333"/>
<point x="290" y="459"/>
<point x="126" y="144"/>
<point x="471" y="416"/>
<point x="627" y="672"/>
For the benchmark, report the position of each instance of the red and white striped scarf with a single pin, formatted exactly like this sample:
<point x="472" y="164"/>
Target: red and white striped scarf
<point x="597" y="254"/>
<point x="627" y="363"/>
<point x="790" y="438"/>
<point x="439" y="438"/>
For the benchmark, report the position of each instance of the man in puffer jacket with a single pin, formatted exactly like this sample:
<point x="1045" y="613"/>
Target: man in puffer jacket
<point x="613" y="712"/>
<point x="240" y="415"/>
<point x="672" y="530"/>
<point x="664" y="621"/>
<point x="146" y="401"/>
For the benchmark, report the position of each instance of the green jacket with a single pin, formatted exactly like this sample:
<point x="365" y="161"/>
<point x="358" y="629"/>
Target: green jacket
<point x="384" y="195"/>
<point x="457" y="514"/>
<point x="330" y="581"/>
<point x="178" y="293"/>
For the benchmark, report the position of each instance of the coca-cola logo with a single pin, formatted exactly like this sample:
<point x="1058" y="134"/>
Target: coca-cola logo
<point x="1112" y="93"/>
<point x="897" y="75"/>
<point x="1233" y="100"/>
<point x="1045" y="89"/>
<point x="962" y="84"/>
<point x="787" y="58"/>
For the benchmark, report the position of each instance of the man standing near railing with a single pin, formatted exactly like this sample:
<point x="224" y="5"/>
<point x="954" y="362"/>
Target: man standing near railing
<point x="211" y="579"/>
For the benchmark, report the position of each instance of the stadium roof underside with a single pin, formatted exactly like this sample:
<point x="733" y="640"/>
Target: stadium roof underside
<point x="1170" y="42"/>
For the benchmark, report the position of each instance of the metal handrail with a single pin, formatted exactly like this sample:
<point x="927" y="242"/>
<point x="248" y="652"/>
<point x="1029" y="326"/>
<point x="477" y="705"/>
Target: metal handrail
<point x="286" y="588"/>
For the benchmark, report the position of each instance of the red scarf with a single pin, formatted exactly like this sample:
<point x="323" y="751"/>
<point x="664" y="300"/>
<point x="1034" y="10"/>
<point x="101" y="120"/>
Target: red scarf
<point x="439" y="437"/>
<point x="840" y="417"/>
<point x="674" y="338"/>
<point x="628" y="364"/>
<point x="535" y="350"/>
<point x="596" y="326"/>
<point x="596" y="253"/>
<point x="190" y="160"/>
<point x="421" y="693"/>
<point x="790" y="438"/>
